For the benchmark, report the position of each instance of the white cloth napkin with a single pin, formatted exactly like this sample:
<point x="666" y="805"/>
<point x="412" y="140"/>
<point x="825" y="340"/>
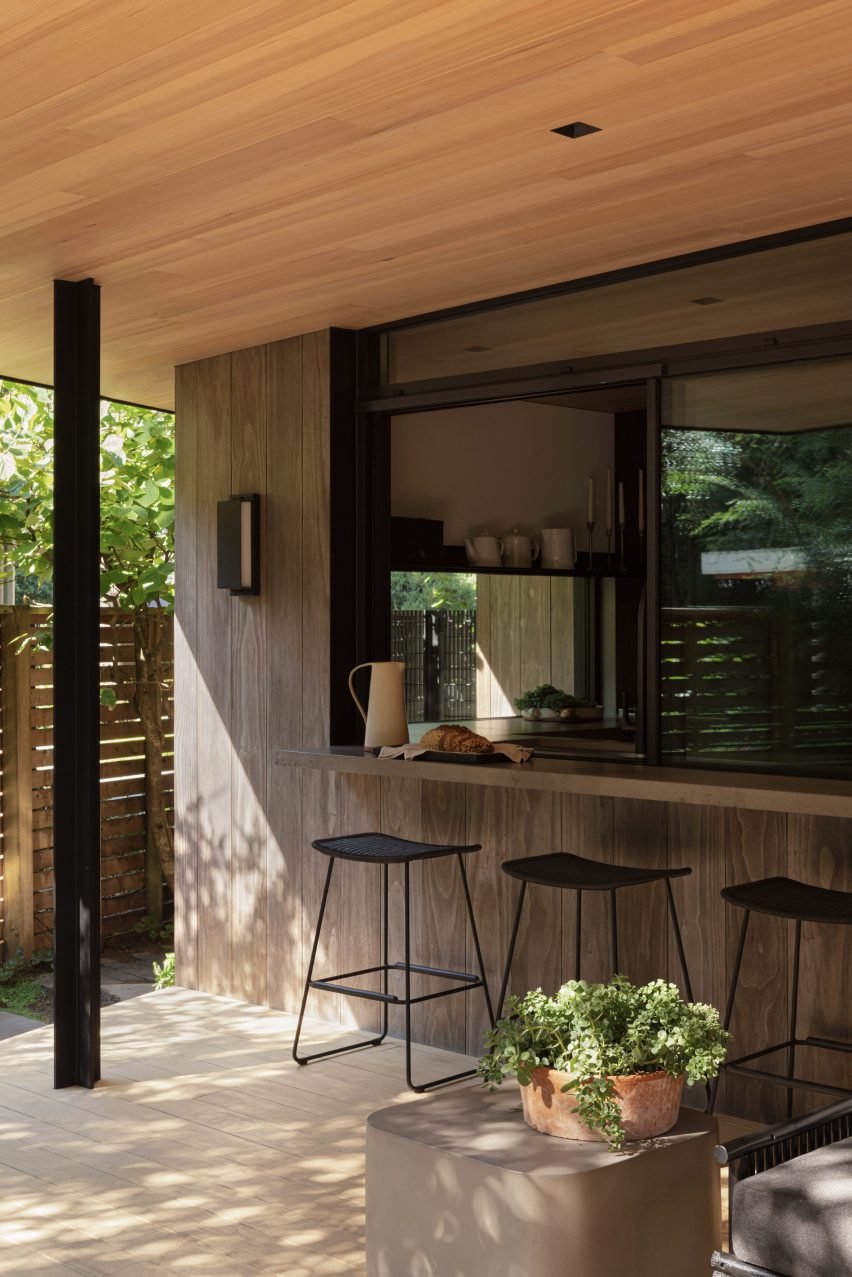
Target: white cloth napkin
<point x="515" y="753"/>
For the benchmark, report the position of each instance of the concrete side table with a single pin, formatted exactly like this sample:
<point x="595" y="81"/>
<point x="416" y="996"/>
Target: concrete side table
<point x="459" y="1186"/>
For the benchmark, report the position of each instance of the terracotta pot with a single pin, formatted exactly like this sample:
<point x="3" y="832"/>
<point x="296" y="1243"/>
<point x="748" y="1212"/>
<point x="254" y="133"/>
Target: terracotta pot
<point x="649" y="1103"/>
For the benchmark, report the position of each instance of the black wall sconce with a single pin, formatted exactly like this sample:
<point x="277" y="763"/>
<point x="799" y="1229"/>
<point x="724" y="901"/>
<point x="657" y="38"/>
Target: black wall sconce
<point x="238" y="544"/>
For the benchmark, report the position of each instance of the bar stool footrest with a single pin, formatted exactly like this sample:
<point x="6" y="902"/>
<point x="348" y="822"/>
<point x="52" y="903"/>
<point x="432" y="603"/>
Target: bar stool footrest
<point x="822" y="1044"/>
<point x="333" y="983"/>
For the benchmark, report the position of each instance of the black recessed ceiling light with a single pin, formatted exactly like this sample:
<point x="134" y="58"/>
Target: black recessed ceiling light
<point x="475" y="350"/>
<point x="705" y="301"/>
<point x="577" y="129"/>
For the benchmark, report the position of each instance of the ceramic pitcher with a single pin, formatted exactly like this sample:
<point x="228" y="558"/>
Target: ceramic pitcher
<point x="384" y="716"/>
<point x="521" y="551"/>
<point x="557" y="548"/>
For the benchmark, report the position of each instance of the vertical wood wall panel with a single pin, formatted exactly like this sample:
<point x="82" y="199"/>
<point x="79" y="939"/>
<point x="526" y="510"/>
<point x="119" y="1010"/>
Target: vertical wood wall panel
<point x="696" y="837"/>
<point x="587" y="830"/>
<point x="213" y="664"/>
<point x="249" y="693"/>
<point x="534" y="624"/>
<point x="335" y="803"/>
<point x="188" y="391"/>
<point x="562" y="632"/>
<point x="287" y="927"/>
<point x="510" y="824"/>
<point x="430" y="812"/>
<point x="639" y="837"/>
<point x="819" y="850"/>
<point x="757" y="848"/>
<point x="524" y="636"/>
<point x="484" y="673"/>
<point x="316" y="509"/>
<point x="252" y="673"/>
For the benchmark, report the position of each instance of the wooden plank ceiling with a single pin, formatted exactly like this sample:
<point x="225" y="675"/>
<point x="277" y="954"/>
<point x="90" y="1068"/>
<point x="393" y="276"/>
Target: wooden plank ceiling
<point x="241" y="170"/>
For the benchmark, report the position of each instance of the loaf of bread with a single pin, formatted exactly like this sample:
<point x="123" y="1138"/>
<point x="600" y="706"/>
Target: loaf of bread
<point x="452" y="738"/>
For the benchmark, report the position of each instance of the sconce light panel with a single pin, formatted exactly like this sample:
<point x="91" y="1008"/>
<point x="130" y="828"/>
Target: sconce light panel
<point x="238" y="543"/>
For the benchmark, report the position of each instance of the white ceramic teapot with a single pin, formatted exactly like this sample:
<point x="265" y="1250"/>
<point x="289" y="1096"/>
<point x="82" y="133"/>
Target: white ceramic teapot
<point x="484" y="551"/>
<point x="521" y="551"/>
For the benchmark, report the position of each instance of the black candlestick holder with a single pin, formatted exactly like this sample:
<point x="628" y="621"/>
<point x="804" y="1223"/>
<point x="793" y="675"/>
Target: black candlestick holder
<point x="590" y="527"/>
<point x="621" y="564"/>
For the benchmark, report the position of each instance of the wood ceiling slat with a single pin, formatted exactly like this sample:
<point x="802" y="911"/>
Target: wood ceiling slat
<point x="235" y="172"/>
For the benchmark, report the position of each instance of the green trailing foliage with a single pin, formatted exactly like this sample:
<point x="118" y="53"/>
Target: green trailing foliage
<point x="164" y="972"/>
<point x="597" y="1032"/>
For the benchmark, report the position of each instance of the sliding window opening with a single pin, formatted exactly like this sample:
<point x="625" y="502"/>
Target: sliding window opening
<point x="756" y="569"/>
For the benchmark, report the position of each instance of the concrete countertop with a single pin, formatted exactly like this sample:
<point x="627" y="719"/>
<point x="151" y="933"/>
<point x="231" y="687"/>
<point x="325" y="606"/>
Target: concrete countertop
<point x="798" y="795"/>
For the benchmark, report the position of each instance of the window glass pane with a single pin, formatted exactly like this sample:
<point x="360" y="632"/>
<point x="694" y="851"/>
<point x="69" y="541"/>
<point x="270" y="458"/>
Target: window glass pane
<point x="756" y="553"/>
<point x="791" y="287"/>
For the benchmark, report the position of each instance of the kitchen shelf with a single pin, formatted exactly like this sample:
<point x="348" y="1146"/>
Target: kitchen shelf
<point x="456" y="562"/>
<point x="507" y="571"/>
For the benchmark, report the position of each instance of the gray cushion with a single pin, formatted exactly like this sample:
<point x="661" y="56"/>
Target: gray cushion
<point x="796" y="1219"/>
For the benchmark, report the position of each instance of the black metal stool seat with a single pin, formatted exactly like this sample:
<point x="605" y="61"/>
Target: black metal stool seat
<point x="575" y="873"/>
<point x="787" y="898"/>
<point x="561" y="869"/>
<point x="386" y="850"/>
<point x="798" y="902"/>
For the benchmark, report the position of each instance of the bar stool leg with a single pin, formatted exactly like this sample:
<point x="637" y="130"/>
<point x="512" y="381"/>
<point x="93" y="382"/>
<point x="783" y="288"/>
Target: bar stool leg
<point x="476" y="945"/>
<point x="578" y="939"/>
<point x="407" y="960"/>
<point x="385" y="962"/>
<point x="453" y="1077"/>
<point x="794" y="1011"/>
<point x="613" y="925"/>
<point x="714" y="1090"/>
<point x="337" y="1050"/>
<point x="505" y="983"/>
<point x="679" y="942"/>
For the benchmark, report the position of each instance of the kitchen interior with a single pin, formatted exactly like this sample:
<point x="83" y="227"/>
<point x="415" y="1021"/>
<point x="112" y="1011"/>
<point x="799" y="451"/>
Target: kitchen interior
<point x="539" y="507"/>
<point x="525" y="524"/>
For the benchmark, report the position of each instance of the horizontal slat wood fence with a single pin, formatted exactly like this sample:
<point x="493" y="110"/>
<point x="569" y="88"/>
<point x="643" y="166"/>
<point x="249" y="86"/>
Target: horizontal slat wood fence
<point x="129" y="889"/>
<point x="743" y="680"/>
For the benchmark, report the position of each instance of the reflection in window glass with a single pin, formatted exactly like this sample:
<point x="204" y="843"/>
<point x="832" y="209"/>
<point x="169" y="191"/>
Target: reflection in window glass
<point x="788" y="287"/>
<point x="756" y="588"/>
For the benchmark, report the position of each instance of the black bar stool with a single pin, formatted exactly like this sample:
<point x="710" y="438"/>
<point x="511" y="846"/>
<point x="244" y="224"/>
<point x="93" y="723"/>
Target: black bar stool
<point x="574" y="873"/>
<point x="384" y="850"/>
<point x="799" y="902"/>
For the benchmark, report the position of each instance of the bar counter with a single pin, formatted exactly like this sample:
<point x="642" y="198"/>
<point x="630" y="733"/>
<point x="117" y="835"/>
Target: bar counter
<point x="728" y="827"/>
<point x="745" y="790"/>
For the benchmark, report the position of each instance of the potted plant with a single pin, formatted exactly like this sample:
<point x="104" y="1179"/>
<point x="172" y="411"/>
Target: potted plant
<point x="548" y="702"/>
<point x="604" y="1061"/>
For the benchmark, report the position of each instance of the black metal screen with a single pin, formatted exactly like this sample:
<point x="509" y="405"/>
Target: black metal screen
<point x="439" y="651"/>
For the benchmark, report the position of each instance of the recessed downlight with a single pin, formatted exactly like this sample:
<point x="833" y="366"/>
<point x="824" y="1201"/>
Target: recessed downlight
<point x="705" y="301"/>
<point x="577" y="129"/>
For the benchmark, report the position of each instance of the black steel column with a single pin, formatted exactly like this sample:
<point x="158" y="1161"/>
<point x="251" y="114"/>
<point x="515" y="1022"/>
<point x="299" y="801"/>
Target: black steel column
<point x="76" y="762"/>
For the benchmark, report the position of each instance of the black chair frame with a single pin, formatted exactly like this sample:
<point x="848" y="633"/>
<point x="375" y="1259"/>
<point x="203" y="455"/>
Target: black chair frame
<point x="334" y="984"/>
<point x="613" y="930"/>
<point x="751" y="1154"/>
<point x="741" y="1064"/>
